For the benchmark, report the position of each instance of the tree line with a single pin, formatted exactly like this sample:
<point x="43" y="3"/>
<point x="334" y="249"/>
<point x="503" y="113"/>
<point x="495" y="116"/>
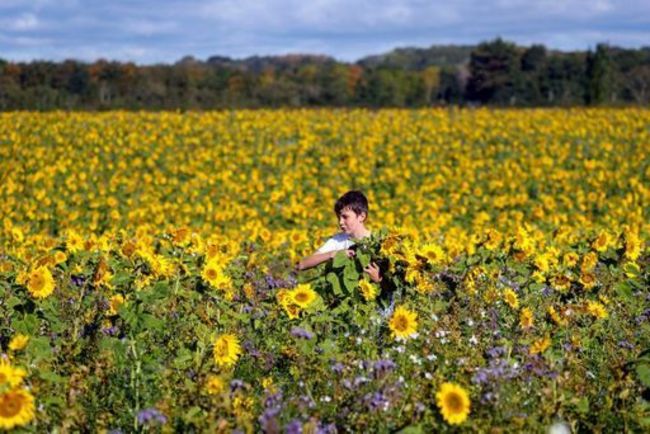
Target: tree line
<point x="495" y="72"/>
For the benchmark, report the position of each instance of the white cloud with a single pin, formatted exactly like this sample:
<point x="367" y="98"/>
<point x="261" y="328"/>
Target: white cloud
<point x="21" y="23"/>
<point x="166" y="30"/>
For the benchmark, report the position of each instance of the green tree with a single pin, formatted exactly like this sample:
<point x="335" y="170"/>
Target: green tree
<point x="494" y="69"/>
<point x="599" y="76"/>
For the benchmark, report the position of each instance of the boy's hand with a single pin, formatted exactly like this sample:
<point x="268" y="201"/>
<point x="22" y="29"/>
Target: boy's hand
<point x="373" y="271"/>
<point x="349" y="253"/>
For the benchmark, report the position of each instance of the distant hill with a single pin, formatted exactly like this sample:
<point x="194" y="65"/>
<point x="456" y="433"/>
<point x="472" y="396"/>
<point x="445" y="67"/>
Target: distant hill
<point x="257" y="64"/>
<point x="419" y="58"/>
<point x="408" y="58"/>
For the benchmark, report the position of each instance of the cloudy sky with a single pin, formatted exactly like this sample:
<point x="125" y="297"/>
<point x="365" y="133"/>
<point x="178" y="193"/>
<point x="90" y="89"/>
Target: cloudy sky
<point x="151" y="31"/>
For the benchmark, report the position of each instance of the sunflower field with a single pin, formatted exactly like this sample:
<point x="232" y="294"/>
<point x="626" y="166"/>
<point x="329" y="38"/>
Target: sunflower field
<point x="148" y="279"/>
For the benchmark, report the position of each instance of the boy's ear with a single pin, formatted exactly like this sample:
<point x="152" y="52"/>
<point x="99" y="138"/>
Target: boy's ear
<point x="364" y="216"/>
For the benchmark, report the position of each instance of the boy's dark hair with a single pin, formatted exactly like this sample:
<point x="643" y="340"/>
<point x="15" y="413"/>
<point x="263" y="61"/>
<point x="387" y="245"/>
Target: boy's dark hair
<point x="355" y="200"/>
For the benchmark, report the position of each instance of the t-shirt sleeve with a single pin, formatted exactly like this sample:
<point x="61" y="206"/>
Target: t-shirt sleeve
<point x="329" y="246"/>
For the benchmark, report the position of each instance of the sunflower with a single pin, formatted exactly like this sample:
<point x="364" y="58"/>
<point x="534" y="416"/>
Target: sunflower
<point x="555" y="316"/>
<point x="403" y="323"/>
<point x="510" y="298"/>
<point x="60" y="257"/>
<point x="368" y="290"/>
<point x="282" y="296"/>
<point x="588" y="280"/>
<point x="433" y="253"/>
<point x="596" y="309"/>
<point x="589" y="261"/>
<point x="633" y="246"/>
<point x="292" y="310"/>
<point x="9" y="375"/>
<point x="40" y="282"/>
<point x="601" y="242"/>
<point x="215" y="385"/>
<point x="303" y="295"/>
<point x="74" y="241"/>
<point x="570" y="259"/>
<point x="453" y="402"/>
<point x="114" y="304"/>
<point x="226" y="350"/>
<point x="526" y="318"/>
<point x="214" y="275"/>
<point x="16" y="408"/>
<point x="18" y="342"/>
<point x="540" y="345"/>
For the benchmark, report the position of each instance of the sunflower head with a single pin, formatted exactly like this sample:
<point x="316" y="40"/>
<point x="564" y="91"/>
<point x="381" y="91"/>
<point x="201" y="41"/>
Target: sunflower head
<point x="18" y="342"/>
<point x="403" y="324"/>
<point x="510" y="297"/>
<point x="9" y="375"/>
<point x="226" y="350"/>
<point x="40" y="282"/>
<point x="114" y="304"/>
<point x="453" y="402"/>
<point x="16" y="408"/>
<point x="368" y="290"/>
<point x="215" y="385"/>
<point x="303" y="295"/>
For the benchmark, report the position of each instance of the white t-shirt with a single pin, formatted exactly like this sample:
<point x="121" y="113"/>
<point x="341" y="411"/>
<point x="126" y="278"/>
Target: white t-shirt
<point x="337" y="242"/>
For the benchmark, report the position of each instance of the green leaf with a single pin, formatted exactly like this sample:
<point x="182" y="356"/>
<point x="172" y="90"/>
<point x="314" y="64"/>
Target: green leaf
<point x="152" y="323"/>
<point x="13" y="302"/>
<point x="411" y="429"/>
<point x="623" y="290"/>
<point x="643" y="372"/>
<point x="340" y="260"/>
<point x="192" y="413"/>
<point x="51" y="377"/>
<point x="364" y="259"/>
<point x="350" y="285"/>
<point x="39" y="348"/>
<point x="329" y="348"/>
<point x="183" y="359"/>
<point x="28" y="325"/>
<point x="582" y="406"/>
<point x="350" y="272"/>
<point x="121" y="278"/>
<point x="333" y="280"/>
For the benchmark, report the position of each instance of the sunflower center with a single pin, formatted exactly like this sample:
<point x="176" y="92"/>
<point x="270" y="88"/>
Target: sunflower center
<point x="37" y="281"/>
<point x="3" y="378"/>
<point x="212" y="274"/>
<point x="222" y="349"/>
<point x="301" y="297"/>
<point x="401" y="323"/>
<point x="10" y="404"/>
<point x="454" y="403"/>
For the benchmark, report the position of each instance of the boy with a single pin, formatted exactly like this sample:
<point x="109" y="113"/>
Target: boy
<point x="352" y="212"/>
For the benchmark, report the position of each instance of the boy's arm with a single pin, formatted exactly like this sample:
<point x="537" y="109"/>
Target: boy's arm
<point x="315" y="259"/>
<point x="319" y="258"/>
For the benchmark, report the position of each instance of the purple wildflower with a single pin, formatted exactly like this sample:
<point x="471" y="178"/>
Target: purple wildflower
<point x="645" y="316"/>
<point x="151" y="415"/>
<point x="625" y="344"/>
<point x="495" y="352"/>
<point x="111" y="331"/>
<point x="269" y="421"/>
<point x="326" y="429"/>
<point x="293" y="427"/>
<point x="377" y="401"/>
<point x="383" y="367"/>
<point x="78" y="280"/>
<point x="301" y="333"/>
<point x="236" y="384"/>
<point x="338" y="367"/>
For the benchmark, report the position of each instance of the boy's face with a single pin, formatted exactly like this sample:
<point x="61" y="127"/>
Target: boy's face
<point x="350" y="222"/>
